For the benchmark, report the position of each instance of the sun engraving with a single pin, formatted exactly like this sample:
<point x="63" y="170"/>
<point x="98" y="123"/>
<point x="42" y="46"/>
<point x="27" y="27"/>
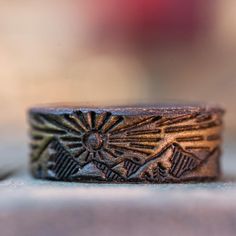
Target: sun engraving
<point x="98" y="136"/>
<point x="93" y="141"/>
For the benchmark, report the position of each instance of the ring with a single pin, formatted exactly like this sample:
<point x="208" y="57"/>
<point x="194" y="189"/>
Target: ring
<point x="141" y="144"/>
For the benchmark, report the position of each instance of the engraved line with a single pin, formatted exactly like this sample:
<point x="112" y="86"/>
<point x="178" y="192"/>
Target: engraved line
<point x="161" y="171"/>
<point x="88" y="156"/>
<point x="56" y="121"/>
<point x="179" y="119"/>
<point x="70" y="169"/>
<point x="175" y="129"/>
<point x="175" y="161"/>
<point x="145" y="146"/>
<point x="81" y="120"/>
<point x="37" y="118"/>
<point x="132" y="169"/>
<point x="107" y="170"/>
<point x="144" y="132"/>
<point x="74" y="145"/>
<point x="214" y="137"/>
<point x="37" y="154"/>
<point x="104" y="119"/>
<point x="181" y="169"/>
<point x="203" y="117"/>
<point x="74" y="122"/>
<point x="73" y="168"/>
<point x="70" y="139"/>
<point x="183" y="160"/>
<point x="49" y="130"/>
<point x="61" y="163"/>
<point x="128" y="165"/>
<point x="33" y="121"/>
<point x="190" y="139"/>
<point x="118" y="152"/>
<point x="132" y="139"/>
<point x="77" y="154"/>
<point x="58" y="158"/>
<point x="100" y="156"/>
<point x="57" y="164"/>
<point x="93" y="115"/>
<point x="93" y="156"/>
<point x="179" y="162"/>
<point x="197" y="147"/>
<point x="109" y="175"/>
<point x="70" y="124"/>
<point x="91" y="118"/>
<point x="191" y="164"/>
<point x="110" y="152"/>
<point x="113" y="123"/>
<point x="75" y="150"/>
<point x="37" y="137"/>
<point x="128" y="149"/>
<point x="63" y="166"/>
<point x="136" y="124"/>
<point x="62" y="157"/>
<point x="186" y="165"/>
<point x="64" y="171"/>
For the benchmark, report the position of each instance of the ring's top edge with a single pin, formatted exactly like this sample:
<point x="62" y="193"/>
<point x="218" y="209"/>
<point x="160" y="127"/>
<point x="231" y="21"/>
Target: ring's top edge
<point x="147" y="109"/>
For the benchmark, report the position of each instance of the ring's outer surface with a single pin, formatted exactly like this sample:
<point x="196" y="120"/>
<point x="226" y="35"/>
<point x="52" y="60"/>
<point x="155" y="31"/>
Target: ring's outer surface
<point x="149" y="144"/>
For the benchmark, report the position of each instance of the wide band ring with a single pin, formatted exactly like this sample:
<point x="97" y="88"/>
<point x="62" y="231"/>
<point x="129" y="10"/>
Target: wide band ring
<point x="147" y="144"/>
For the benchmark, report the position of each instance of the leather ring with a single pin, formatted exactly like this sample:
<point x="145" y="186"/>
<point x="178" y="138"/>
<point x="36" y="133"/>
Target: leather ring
<point x="147" y="144"/>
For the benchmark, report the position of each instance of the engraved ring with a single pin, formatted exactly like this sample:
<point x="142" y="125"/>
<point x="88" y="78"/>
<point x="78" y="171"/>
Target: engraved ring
<point x="146" y="144"/>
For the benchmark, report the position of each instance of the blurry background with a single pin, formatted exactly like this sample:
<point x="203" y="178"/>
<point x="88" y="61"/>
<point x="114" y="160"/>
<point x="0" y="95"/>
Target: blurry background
<point x="110" y="51"/>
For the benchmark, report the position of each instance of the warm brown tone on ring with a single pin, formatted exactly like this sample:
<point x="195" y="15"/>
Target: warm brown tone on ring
<point x="150" y="144"/>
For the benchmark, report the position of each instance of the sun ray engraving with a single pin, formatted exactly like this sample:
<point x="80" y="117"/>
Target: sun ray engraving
<point x="104" y="118"/>
<point x="74" y="122"/>
<point x="114" y="121"/>
<point x="81" y="120"/>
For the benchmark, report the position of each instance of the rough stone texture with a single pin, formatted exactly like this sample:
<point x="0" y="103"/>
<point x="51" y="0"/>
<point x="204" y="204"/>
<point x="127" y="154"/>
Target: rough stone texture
<point x="36" y="207"/>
